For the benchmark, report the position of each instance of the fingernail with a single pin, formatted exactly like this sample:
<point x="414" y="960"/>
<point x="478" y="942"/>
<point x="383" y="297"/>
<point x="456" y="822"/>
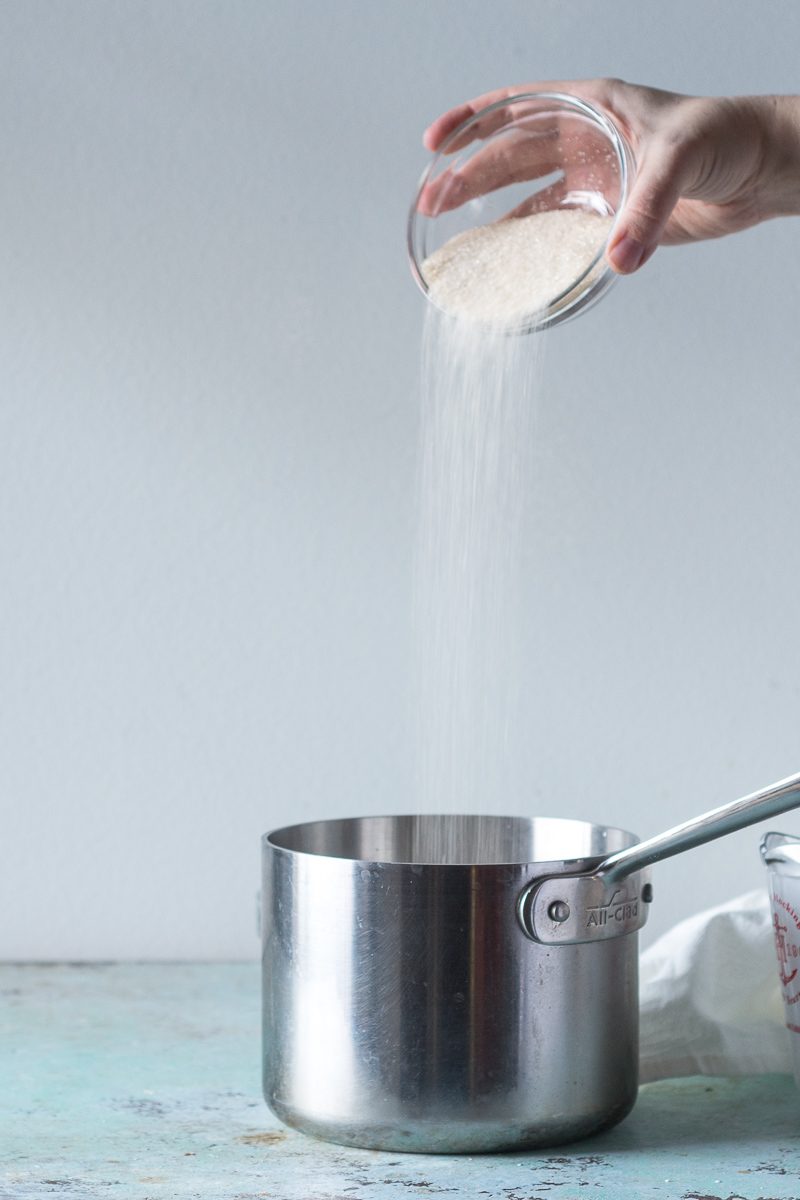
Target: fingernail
<point x="627" y="255"/>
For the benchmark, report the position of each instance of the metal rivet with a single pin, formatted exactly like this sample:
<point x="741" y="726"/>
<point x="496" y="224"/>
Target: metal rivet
<point x="558" y="911"/>
<point x="647" y="893"/>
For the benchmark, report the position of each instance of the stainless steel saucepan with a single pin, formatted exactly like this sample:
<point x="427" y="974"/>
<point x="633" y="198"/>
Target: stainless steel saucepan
<point x="461" y="983"/>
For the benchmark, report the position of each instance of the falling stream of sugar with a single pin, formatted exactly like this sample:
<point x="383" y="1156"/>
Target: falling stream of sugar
<point x="478" y="395"/>
<point x="480" y="387"/>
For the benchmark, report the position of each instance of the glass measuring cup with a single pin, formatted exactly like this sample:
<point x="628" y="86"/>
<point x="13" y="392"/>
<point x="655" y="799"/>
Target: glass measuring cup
<point x="535" y="152"/>
<point x="781" y="855"/>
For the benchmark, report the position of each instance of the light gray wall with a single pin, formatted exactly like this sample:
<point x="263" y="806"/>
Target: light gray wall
<point x="208" y="352"/>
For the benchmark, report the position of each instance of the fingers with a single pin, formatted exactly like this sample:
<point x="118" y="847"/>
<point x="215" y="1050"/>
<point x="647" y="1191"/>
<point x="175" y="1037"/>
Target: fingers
<point x="495" y="116"/>
<point x="513" y="159"/>
<point x="526" y="151"/>
<point x="596" y="90"/>
<point x="444" y="125"/>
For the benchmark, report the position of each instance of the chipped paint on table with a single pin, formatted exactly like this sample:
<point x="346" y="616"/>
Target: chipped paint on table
<point x="141" y="1082"/>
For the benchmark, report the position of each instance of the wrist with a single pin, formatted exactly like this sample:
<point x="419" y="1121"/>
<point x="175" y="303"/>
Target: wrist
<point x="780" y="125"/>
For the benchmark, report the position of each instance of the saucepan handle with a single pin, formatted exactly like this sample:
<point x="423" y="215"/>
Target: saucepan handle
<point x="759" y="806"/>
<point x="613" y="899"/>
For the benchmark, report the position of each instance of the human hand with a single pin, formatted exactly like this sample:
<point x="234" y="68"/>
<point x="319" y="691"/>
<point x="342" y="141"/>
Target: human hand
<point x="706" y="166"/>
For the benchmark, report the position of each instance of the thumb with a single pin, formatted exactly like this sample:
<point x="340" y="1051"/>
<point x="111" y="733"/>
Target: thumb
<point x="655" y="193"/>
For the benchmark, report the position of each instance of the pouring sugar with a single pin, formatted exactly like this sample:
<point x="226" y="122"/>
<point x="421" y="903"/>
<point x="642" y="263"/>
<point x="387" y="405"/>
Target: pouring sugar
<point x="479" y="394"/>
<point x="509" y="270"/>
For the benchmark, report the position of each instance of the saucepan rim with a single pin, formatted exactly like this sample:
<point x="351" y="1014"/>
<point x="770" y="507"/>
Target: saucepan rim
<point x="296" y="839"/>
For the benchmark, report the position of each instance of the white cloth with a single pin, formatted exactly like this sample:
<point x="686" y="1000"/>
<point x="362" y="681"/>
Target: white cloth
<point x="710" y="997"/>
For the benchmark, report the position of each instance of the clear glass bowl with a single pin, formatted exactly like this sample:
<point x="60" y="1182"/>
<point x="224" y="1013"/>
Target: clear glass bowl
<point x="530" y="153"/>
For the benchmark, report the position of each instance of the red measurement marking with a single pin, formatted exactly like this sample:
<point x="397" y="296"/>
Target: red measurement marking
<point x="783" y="951"/>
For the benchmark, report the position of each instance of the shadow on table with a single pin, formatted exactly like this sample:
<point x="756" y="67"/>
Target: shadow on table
<point x="679" y="1113"/>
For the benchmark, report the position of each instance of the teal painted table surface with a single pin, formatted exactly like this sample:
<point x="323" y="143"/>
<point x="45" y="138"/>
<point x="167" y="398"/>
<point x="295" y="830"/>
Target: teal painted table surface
<point x="141" y="1081"/>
